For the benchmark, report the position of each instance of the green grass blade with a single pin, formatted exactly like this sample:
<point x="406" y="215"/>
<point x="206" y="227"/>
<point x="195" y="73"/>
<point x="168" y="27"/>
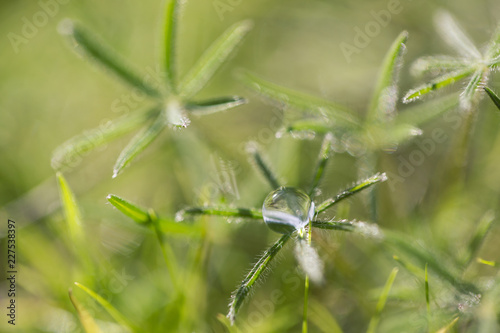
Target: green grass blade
<point x="454" y="36"/>
<point x="385" y="96"/>
<point x="372" y="326"/>
<point x="71" y="211"/>
<point x="377" y="178"/>
<point x="250" y="213"/>
<point x="427" y="298"/>
<point x="88" y="323"/>
<point x="172" y="13"/>
<point x="315" y="126"/>
<point x="447" y="328"/>
<point x="215" y="105"/>
<point x="468" y="95"/>
<point x="213" y="58"/>
<point x="91" y="46"/>
<point x="261" y="165"/>
<point x="324" y="155"/>
<point x="113" y="312"/>
<point x="436" y="65"/>
<point x="137" y="214"/>
<point x="248" y="282"/>
<point x="323" y="319"/>
<point x="138" y="143"/>
<point x="424" y="257"/>
<point x="436" y="84"/>
<point x="484" y="226"/>
<point x="494" y="97"/>
<point x="342" y="225"/>
<point x="227" y="324"/>
<point x="420" y="114"/>
<point x="340" y="115"/>
<point x="71" y="151"/>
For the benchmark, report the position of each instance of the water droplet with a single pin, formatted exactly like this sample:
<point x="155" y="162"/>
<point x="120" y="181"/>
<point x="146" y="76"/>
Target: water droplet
<point x="287" y="209"/>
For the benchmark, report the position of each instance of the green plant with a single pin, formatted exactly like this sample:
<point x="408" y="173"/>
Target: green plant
<point x="382" y="128"/>
<point x="174" y="98"/>
<point x="291" y="212"/>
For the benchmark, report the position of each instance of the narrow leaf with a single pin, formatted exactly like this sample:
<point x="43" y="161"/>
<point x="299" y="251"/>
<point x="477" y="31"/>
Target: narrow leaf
<point x="117" y="316"/>
<point x="342" y="225"/>
<point x="340" y="115"/>
<point x="379" y="177"/>
<point x="372" y="326"/>
<point x="324" y="155"/>
<point x="494" y="97"/>
<point x="484" y="226"/>
<point x="250" y="213"/>
<point x="436" y="65"/>
<point x="427" y="298"/>
<point x="468" y="95"/>
<point x="454" y="36"/>
<point x="138" y="144"/>
<point x="323" y="319"/>
<point x="423" y="257"/>
<point x="137" y="214"/>
<point x="437" y="83"/>
<point x="246" y="285"/>
<point x="262" y="166"/>
<point x="447" y="328"/>
<point x="315" y="126"/>
<point x="385" y="96"/>
<point x="88" y="323"/>
<point x="227" y="324"/>
<point x="420" y="114"/>
<point x="172" y="11"/>
<point x="71" y="151"/>
<point x="213" y="58"/>
<point x="215" y="105"/>
<point x="71" y="211"/>
<point x="89" y="44"/>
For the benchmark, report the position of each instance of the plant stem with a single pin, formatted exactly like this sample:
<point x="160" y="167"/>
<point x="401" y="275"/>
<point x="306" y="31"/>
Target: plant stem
<point x="306" y="285"/>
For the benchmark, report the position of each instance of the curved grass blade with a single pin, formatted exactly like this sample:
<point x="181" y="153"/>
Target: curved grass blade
<point x="437" y="83"/>
<point x="250" y="213"/>
<point x="343" y="225"/>
<point x="71" y="211"/>
<point x="88" y="323"/>
<point x="213" y="58"/>
<point x="454" y="36"/>
<point x="377" y="178"/>
<point x="324" y="155"/>
<point x="493" y="50"/>
<point x="215" y="105"/>
<point x="420" y="114"/>
<point x="309" y="125"/>
<point x="385" y="96"/>
<point x="494" y="97"/>
<point x="227" y="324"/>
<point x="89" y="43"/>
<point x="172" y="13"/>
<point x="259" y="163"/>
<point x="323" y="319"/>
<point x="246" y="285"/>
<point x="484" y="226"/>
<point x="341" y="116"/>
<point x="117" y="316"/>
<point x="438" y="65"/>
<point x="137" y="214"/>
<point x="427" y="298"/>
<point x="424" y="257"/>
<point x="447" y="328"/>
<point x="69" y="152"/>
<point x="138" y="143"/>
<point x="468" y="95"/>
<point x="372" y="326"/>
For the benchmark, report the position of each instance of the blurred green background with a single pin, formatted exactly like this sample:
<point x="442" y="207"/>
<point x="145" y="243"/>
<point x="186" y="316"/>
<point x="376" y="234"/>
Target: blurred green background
<point x="49" y="94"/>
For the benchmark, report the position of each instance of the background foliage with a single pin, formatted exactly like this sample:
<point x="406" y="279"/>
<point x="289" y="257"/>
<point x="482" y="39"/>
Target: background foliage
<point x="49" y="95"/>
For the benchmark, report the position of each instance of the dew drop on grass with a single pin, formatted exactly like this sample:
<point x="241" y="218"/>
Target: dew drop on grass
<point x="287" y="209"/>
